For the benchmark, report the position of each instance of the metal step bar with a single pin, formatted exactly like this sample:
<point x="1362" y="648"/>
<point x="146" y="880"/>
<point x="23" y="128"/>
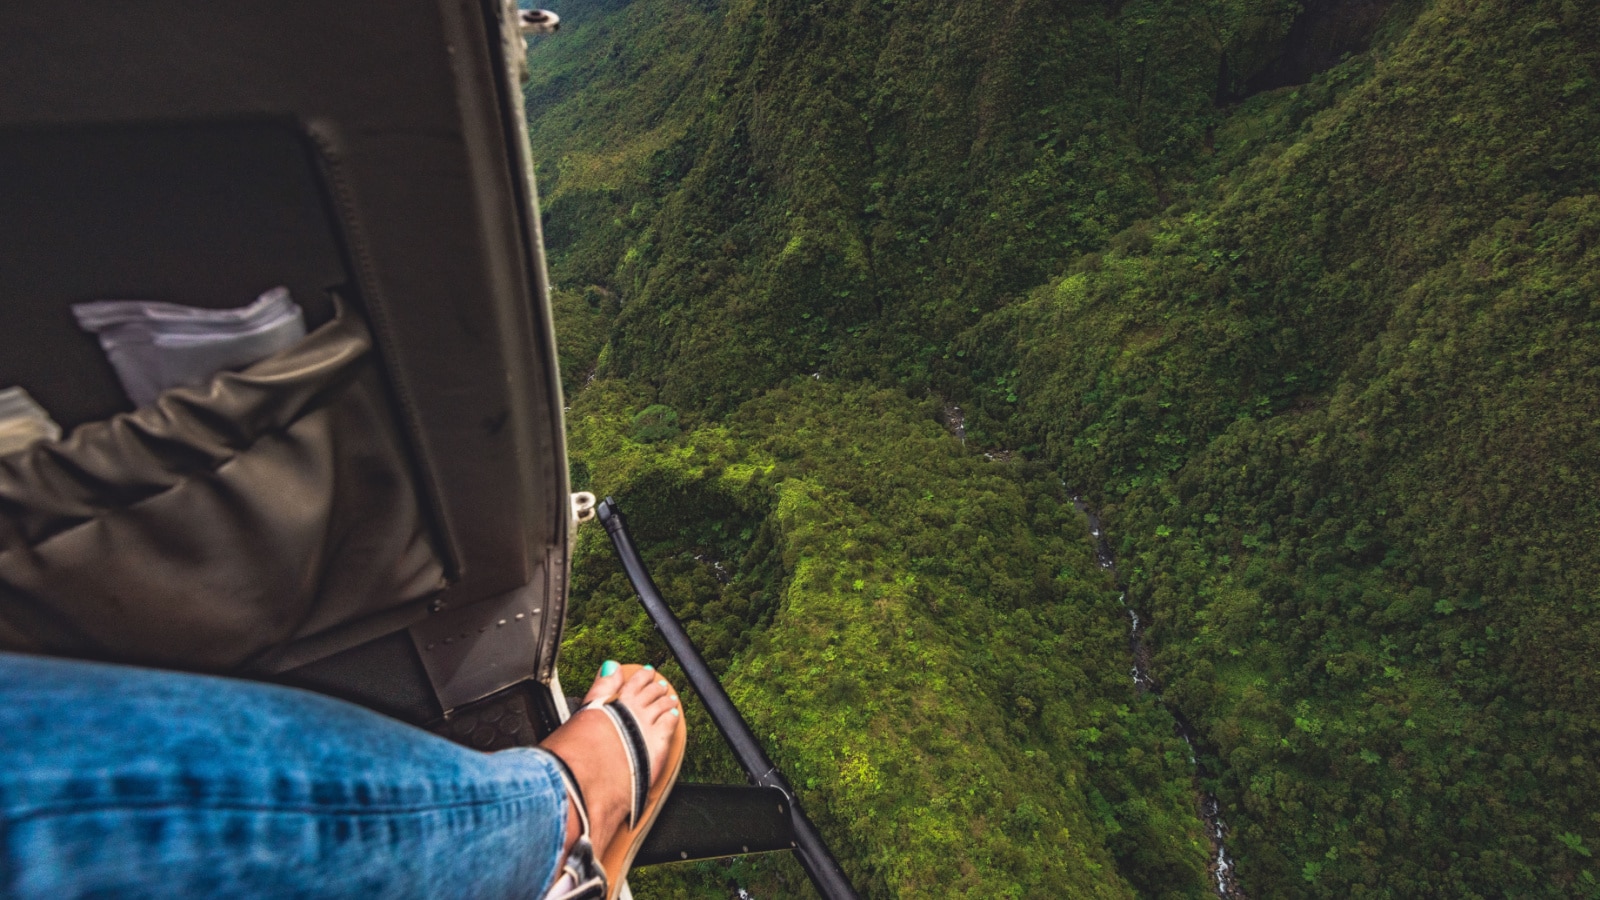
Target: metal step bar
<point x="705" y="821"/>
<point x="807" y="845"/>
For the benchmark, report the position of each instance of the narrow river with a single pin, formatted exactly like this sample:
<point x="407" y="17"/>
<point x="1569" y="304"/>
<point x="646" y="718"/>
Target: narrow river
<point x="1224" y="880"/>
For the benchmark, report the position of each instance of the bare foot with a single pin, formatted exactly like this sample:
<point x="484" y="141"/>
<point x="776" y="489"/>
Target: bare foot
<point x="591" y="747"/>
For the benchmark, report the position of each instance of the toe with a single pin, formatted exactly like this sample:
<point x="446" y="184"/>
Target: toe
<point x="665" y="717"/>
<point x="662" y="706"/>
<point x="644" y="688"/>
<point x="607" y="683"/>
<point x="641" y="679"/>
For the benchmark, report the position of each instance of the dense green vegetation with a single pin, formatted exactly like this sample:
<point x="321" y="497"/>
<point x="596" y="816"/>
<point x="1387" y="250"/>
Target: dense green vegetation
<point x="938" y="659"/>
<point x="1326" y="357"/>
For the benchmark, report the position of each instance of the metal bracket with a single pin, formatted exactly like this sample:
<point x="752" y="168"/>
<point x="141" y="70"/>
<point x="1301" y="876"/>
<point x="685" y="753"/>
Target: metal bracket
<point x="476" y="650"/>
<point x="583" y="507"/>
<point x="538" y="21"/>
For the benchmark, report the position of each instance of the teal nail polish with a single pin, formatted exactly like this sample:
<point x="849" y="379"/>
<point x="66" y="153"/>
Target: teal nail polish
<point x="609" y="667"/>
<point x="649" y="668"/>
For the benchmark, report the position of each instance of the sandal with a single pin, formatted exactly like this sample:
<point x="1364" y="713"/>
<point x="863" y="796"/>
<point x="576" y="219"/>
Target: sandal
<point x="582" y="877"/>
<point x="648" y="798"/>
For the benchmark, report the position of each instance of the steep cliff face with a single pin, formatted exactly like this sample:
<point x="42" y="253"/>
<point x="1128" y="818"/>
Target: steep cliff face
<point x="1302" y="296"/>
<point x="782" y="187"/>
<point x="1324" y="34"/>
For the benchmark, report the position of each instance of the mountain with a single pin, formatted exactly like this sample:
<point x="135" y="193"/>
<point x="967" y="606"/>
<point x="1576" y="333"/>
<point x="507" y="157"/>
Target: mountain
<point x="1304" y="299"/>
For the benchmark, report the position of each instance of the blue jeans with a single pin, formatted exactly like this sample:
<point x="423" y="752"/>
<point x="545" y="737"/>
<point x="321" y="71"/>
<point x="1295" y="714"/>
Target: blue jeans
<point x="125" y="782"/>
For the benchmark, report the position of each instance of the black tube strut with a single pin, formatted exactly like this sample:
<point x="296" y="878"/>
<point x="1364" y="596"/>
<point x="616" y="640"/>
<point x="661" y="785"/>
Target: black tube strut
<point x="813" y="853"/>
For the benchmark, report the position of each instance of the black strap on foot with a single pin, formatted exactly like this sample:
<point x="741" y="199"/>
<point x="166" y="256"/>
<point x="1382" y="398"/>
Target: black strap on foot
<point x="638" y="752"/>
<point x="585" y="878"/>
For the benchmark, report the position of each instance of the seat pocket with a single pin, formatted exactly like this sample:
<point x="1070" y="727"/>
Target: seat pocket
<point x="219" y="522"/>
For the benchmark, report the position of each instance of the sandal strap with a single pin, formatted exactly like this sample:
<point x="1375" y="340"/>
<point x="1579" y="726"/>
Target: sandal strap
<point x="575" y="791"/>
<point x="638" y="752"/>
<point x="581" y="876"/>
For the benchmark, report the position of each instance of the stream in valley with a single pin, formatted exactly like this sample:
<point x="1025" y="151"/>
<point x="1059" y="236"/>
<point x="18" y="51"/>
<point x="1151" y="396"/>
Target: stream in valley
<point x="1224" y="880"/>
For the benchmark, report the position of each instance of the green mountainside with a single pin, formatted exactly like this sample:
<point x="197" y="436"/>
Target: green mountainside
<point x="1304" y="298"/>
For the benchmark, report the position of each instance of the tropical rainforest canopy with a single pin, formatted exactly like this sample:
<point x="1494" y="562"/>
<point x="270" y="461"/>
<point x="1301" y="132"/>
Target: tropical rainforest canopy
<point x="1301" y="298"/>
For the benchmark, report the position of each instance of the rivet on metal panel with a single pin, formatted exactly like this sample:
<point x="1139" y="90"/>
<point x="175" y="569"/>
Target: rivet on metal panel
<point x="473" y="665"/>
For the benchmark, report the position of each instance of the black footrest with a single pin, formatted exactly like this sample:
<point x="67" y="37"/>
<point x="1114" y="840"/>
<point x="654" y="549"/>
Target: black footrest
<point x="702" y="821"/>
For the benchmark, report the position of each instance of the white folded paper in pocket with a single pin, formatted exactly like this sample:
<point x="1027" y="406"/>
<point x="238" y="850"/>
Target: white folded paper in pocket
<point x="23" y="421"/>
<point x="156" y="346"/>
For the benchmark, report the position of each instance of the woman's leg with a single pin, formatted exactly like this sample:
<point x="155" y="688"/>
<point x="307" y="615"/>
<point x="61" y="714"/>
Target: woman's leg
<point x="125" y="782"/>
